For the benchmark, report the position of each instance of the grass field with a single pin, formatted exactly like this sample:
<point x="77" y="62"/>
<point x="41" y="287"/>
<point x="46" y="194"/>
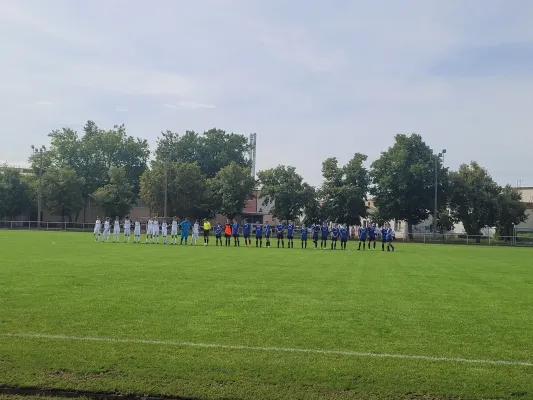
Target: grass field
<point x="238" y="323"/>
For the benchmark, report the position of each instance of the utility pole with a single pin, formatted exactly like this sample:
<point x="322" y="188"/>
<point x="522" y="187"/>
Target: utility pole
<point x="40" y="151"/>
<point x="436" y="159"/>
<point x="166" y="187"/>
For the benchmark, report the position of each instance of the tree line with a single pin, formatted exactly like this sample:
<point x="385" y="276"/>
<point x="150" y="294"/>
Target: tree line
<point x="209" y="173"/>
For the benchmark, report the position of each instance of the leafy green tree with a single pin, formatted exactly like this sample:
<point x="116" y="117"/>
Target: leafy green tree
<point x="212" y="150"/>
<point x="403" y="181"/>
<point x="230" y="188"/>
<point x="188" y="194"/>
<point x="445" y="221"/>
<point x="512" y="211"/>
<point x="314" y="213"/>
<point x="93" y="154"/>
<point x="475" y="198"/>
<point x="345" y="189"/>
<point x="61" y="191"/>
<point x="14" y="193"/>
<point x="117" y="197"/>
<point x="289" y="194"/>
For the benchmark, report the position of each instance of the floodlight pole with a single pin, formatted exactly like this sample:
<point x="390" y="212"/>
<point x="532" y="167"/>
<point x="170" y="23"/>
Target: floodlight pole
<point x="40" y="152"/>
<point x="436" y="160"/>
<point x="166" y="188"/>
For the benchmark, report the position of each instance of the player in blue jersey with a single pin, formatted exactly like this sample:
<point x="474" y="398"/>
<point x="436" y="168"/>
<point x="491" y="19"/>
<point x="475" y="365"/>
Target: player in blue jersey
<point x="246" y="232"/>
<point x="388" y="238"/>
<point x="268" y="234"/>
<point x="279" y="233"/>
<point x="383" y="234"/>
<point x="344" y="236"/>
<point x="334" y="236"/>
<point x="185" y="226"/>
<point x="324" y="230"/>
<point x="218" y="233"/>
<point x="290" y="235"/>
<point x="362" y="237"/>
<point x="235" y="233"/>
<point x="372" y="236"/>
<point x="315" y="229"/>
<point x="259" y="235"/>
<point x="303" y="236"/>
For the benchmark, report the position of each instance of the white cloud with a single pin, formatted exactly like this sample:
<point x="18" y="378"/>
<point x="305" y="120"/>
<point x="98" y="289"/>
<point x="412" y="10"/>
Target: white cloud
<point x="121" y="109"/>
<point x="43" y="103"/>
<point x="188" y="104"/>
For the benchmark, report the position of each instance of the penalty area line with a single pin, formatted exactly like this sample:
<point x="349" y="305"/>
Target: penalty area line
<point x="271" y="349"/>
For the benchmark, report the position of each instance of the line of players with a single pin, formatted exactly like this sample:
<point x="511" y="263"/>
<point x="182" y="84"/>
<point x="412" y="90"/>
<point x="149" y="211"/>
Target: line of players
<point x="231" y="229"/>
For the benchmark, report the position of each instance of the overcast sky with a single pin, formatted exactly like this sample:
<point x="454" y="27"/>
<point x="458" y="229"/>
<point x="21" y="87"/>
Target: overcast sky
<point x="314" y="79"/>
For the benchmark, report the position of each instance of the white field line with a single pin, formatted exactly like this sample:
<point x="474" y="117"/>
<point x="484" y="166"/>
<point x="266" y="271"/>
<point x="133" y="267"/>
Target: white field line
<point x="273" y="349"/>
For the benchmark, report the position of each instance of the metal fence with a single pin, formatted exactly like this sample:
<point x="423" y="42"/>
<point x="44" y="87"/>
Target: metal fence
<point x="521" y="238"/>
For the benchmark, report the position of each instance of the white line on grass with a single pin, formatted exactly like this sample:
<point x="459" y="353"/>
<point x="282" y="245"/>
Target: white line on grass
<point x="274" y="349"/>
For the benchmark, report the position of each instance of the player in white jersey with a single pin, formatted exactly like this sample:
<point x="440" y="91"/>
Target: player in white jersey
<point x="107" y="229"/>
<point x="116" y="230"/>
<point x="127" y="229"/>
<point x="149" y="230"/>
<point x="195" y="232"/>
<point x="97" y="229"/>
<point x="137" y="232"/>
<point x="155" y="231"/>
<point x="164" y="230"/>
<point x="174" y="231"/>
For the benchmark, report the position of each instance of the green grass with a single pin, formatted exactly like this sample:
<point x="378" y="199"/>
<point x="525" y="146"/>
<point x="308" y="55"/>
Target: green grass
<point x="429" y="300"/>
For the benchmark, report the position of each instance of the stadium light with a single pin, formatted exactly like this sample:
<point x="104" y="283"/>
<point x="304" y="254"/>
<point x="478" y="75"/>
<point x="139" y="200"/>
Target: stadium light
<point x="40" y="151"/>
<point x="436" y="160"/>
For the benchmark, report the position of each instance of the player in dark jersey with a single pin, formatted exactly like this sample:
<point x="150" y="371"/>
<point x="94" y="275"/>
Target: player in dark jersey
<point x="303" y="236"/>
<point x="218" y="233"/>
<point x="334" y="236"/>
<point x="383" y="237"/>
<point x="324" y="230"/>
<point x="246" y="232"/>
<point x="279" y="233"/>
<point x="316" y="230"/>
<point x="235" y="233"/>
<point x="268" y="233"/>
<point x="258" y="235"/>
<point x="290" y="235"/>
<point x="371" y="235"/>
<point x="344" y="236"/>
<point x="362" y="237"/>
<point x="388" y="238"/>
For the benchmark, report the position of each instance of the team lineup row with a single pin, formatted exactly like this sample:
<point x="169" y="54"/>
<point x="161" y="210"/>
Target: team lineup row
<point x="231" y="229"/>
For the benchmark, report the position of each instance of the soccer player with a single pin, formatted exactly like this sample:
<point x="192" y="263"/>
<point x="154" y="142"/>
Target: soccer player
<point x="174" y="231"/>
<point x="137" y="231"/>
<point x="303" y="236"/>
<point x="185" y="226"/>
<point x="344" y="236"/>
<point x="218" y="233"/>
<point x="383" y="234"/>
<point x="246" y="233"/>
<point x="107" y="228"/>
<point x="195" y="232"/>
<point x="268" y="233"/>
<point x="155" y="230"/>
<point x="389" y="236"/>
<point x="334" y="237"/>
<point x="372" y="236"/>
<point x="362" y="238"/>
<point x="258" y="235"/>
<point x="316" y="230"/>
<point x="116" y="230"/>
<point x="324" y="230"/>
<point x="227" y="232"/>
<point x="290" y="235"/>
<point x="279" y="233"/>
<point x="149" y="230"/>
<point x="207" y="228"/>
<point x="164" y="231"/>
<point x="127" y="229"/>
<point x="97" y="229"/>
<point x="235" y="233"/>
